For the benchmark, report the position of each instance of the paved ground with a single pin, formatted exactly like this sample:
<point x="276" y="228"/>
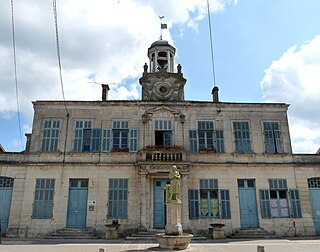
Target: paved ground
<point x="276" y="245"/>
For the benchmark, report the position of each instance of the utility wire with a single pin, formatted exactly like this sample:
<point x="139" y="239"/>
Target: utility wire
<point x="15" y="70"/>
<point x="54" y="5"/>
<point x="211" y="45"/>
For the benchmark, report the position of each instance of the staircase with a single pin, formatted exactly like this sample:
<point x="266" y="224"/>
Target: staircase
<point x="72" y="233"/>
<point x="252" y="233"/>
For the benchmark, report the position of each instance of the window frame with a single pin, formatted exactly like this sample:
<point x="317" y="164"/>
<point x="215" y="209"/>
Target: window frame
<point x="49" y="142"/>
<point x="242" y="137"/>
<point x="114" y="204"/>
<point x="42" y="207"/>
<point x="273" y="142"/>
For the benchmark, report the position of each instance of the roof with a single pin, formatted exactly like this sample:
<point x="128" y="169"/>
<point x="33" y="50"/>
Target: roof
<point x="160" y="43"/>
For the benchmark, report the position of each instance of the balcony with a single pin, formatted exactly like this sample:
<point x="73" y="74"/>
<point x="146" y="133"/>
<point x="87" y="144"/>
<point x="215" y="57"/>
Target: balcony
<point x="164" y="153"/>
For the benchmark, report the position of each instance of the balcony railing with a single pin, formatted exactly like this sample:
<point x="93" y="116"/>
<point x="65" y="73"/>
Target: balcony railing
<point x="164" y="153"/>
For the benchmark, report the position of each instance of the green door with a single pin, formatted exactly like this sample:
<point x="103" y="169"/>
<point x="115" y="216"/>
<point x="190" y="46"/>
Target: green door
<point x="248" y="203"/>
<point x="6" y="186"/>
<point x="159" y="208"/>
<point x="77" y="203"/>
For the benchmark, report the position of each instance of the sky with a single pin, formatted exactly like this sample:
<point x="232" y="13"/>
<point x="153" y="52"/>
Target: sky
<point x="264" y="51"/>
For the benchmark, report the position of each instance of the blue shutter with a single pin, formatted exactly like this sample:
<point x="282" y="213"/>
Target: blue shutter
<point x="43" y="199"/>
<point x="265" y="204"/>
<point x="295" y="203"/>
<point x="78" y="134"/>
<point x="193" y="141"/>
<point x="277" y="137"/>
<point x="133" y="146"/>
<point x="193" y="203"/>
<point x="118" y="198"/>
<point x="106" y="140"/>
<point x="225" y="204"/>
<point x="219" y="141"/>
<point x="95" y="142"/>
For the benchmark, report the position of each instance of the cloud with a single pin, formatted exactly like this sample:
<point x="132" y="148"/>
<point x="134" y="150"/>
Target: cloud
<point x="294" y="79"/>
<point x="100" y="41"/>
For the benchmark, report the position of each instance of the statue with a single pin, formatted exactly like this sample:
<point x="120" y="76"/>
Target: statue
<point x="173" y="189"/>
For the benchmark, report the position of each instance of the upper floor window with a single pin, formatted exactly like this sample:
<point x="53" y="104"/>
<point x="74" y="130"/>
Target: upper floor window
<point x="50" y="138"/>
<point x="242" y="137"/>
<point x="206" y="138"/>
<point x="272" y="138"/>
<point x="120" y="131"/>
<point x="163" y="132"/>
<point x="83" y="135"/>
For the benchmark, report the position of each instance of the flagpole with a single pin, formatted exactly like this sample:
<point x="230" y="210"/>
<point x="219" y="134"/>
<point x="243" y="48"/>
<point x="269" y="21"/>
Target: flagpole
<point x="161" y="17"/>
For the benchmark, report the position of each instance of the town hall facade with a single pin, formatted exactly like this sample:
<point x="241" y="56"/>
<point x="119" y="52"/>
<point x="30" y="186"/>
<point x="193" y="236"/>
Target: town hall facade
<point x="91" y="163"/>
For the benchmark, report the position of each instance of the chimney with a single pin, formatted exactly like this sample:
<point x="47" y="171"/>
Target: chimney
<point x="215" y="94"/>
<point x="105" y="90"/>
<point x="28" y="136"/>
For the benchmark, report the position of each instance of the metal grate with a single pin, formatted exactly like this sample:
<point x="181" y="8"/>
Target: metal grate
<point x="6" y="182"/>
<point x="314" y="182"/>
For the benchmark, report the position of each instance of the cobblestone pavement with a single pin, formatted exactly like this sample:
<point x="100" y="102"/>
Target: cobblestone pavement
<point x="276" y="245"/>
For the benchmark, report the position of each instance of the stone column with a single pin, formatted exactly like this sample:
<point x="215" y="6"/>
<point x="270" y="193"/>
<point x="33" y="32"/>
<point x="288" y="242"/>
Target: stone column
<point x="143" y="202"/>
<point x="184" y="199"/>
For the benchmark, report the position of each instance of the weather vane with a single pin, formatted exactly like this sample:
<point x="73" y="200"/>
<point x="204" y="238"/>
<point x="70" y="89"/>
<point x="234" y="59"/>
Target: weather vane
<point x="163" y="26"/>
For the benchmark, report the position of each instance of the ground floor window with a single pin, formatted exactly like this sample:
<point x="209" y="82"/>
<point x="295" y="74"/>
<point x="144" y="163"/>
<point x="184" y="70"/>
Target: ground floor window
<point x="209" y="201"/>
<point x="43" y="199"/>
<point x="279" y="201"/>
<point x="118" y="198"/>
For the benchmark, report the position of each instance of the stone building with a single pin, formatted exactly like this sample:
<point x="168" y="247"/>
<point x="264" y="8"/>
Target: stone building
<point x="89" y="163"/>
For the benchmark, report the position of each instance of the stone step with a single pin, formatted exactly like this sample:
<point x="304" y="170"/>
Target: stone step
<point x="70" y="233"/>
<point x="252" y="234"/>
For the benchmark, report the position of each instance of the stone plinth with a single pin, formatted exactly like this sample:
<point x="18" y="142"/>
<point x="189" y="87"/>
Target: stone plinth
<point x="174" y="242"/>
<point x="112" y="232"/>
<point x="218" y="231"/>
<point x="173" y="226"/>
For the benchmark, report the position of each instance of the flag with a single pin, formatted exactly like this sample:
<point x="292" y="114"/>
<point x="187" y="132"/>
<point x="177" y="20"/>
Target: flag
<point x="163" y="26"/>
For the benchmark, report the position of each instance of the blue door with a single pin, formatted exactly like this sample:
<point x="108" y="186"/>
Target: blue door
<point x="248" y="203"/>
<point x="159" y="208"/>
<point x="77" y="203"/>
<point x="315" y="206"/>
<point x="6" y="185"/>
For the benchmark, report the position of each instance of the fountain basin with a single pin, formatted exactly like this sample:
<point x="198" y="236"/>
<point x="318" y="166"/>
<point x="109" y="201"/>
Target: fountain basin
<point x="174" y="242"/>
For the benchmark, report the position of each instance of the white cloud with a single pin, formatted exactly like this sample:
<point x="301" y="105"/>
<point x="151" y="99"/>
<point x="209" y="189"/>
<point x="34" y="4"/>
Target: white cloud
<point x="100" y="41"/>
<point x="294" y="79"/>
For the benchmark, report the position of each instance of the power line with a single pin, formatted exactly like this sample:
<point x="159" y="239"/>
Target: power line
<point x="55" y="14"/>
<point x="15" y="70"/>
<point x="211" y="45"/>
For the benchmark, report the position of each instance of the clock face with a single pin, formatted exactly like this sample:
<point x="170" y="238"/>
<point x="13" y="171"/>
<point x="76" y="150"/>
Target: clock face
<point x="163" y="91"/>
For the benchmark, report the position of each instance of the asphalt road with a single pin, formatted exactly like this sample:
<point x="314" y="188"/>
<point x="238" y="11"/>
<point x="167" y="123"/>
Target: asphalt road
<point x="47" y="245"/>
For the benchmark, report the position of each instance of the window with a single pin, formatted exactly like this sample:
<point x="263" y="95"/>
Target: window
<point x="163" y="132"/>
<point x="209" y="201"/>
<point x="205" y="135"/>
<point x="272" y="137"/>
<point x="43" y="199"/>
<point x="242" y="137"/>
<point x="205" y="138"/>
<point x="118" y="198"/>
<point x="275" y="201"/>
<point x="120" y="131"/>
<point x="82" y="136"/>
<point x="50" y="138"/>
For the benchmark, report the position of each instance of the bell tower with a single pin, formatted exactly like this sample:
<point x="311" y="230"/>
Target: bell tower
<point x="159" y="81"/>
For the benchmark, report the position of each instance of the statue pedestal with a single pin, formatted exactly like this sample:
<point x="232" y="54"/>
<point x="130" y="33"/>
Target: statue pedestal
<point x="173" y="226"/>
